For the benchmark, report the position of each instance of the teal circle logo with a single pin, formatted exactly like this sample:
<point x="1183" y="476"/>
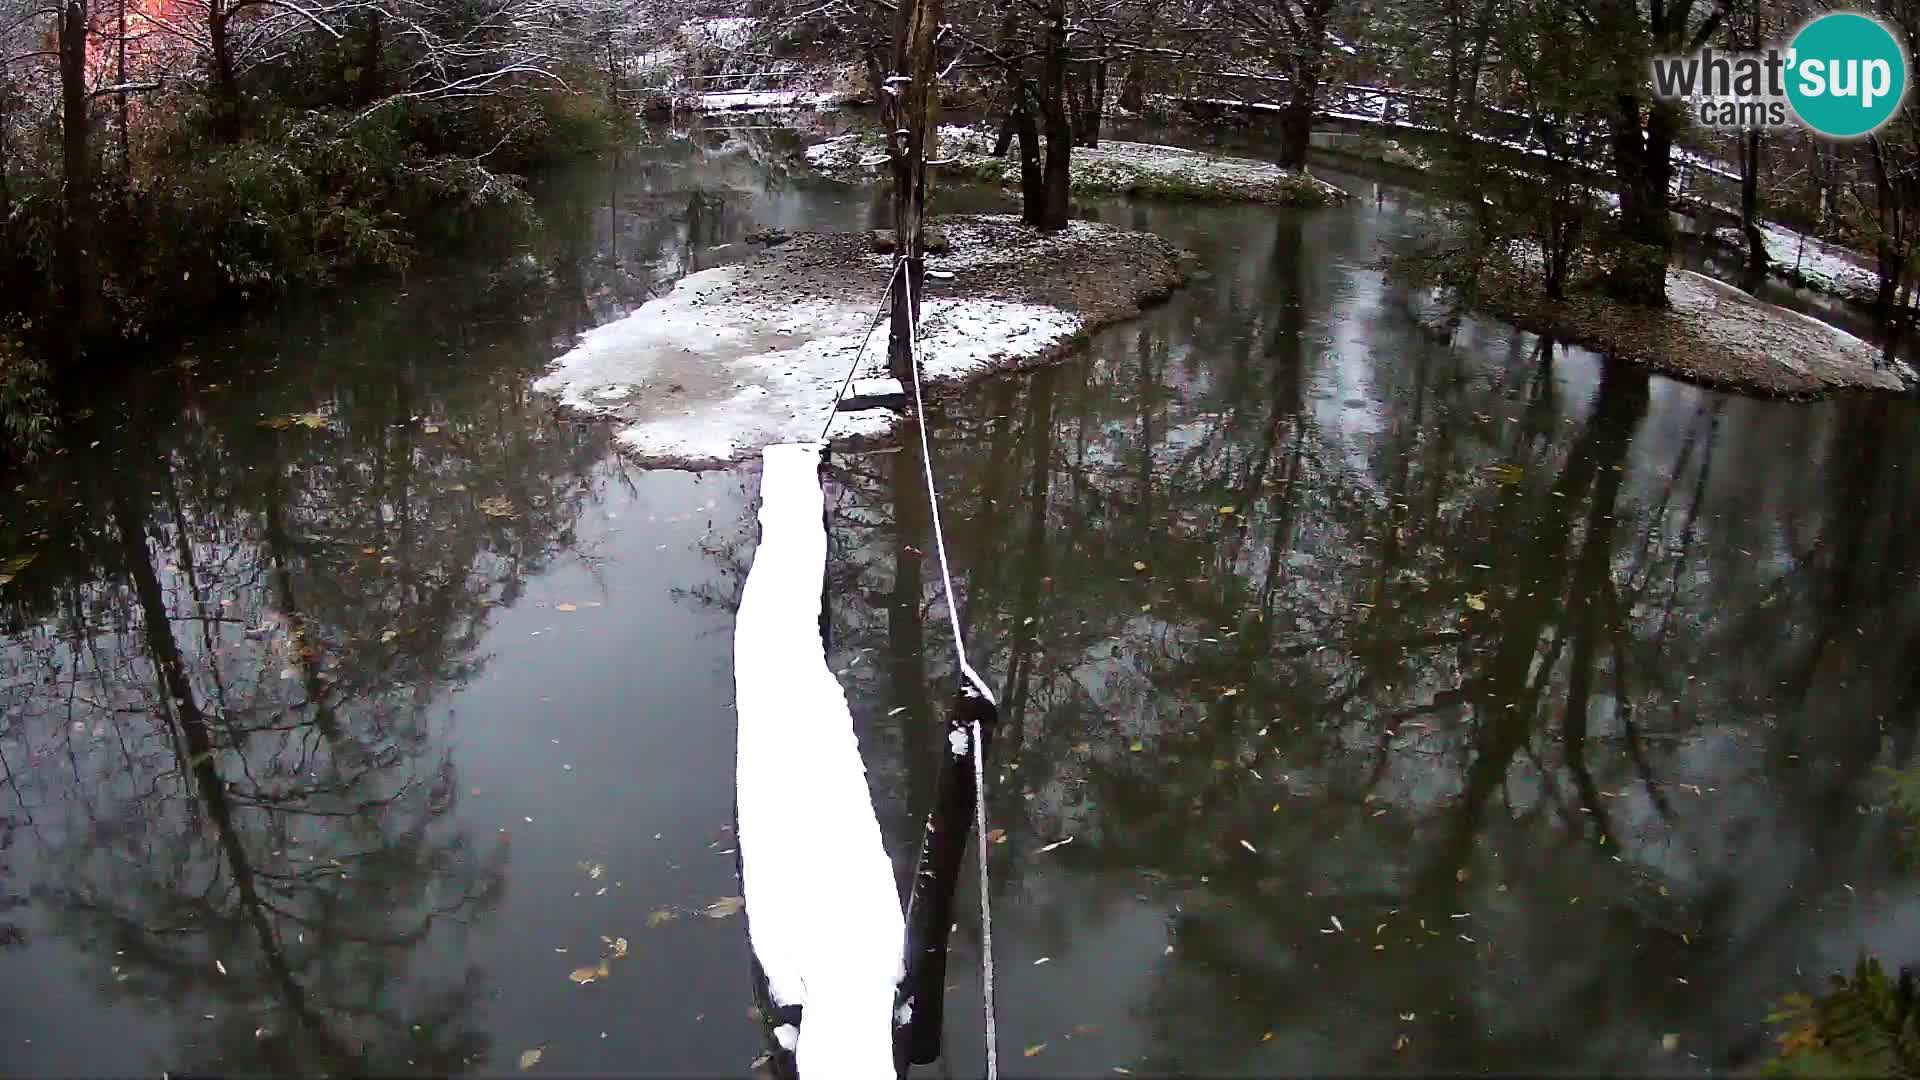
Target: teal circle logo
<point x="1847" y="74"/>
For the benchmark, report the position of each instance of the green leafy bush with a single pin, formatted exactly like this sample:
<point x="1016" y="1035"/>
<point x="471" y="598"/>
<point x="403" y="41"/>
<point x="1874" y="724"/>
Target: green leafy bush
<point x="1867" y="1025"/>
<point x="26" y="409"/>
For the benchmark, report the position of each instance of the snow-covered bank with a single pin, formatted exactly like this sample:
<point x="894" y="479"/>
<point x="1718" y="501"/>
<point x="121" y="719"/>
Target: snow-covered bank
<point x="752" y="353"/>
<point x="1713" y="334"/>
<point x="823" y="916"/>
<point x="1812" y="263"/>
<point x="1112" y="168"/>
<point x="768" y="100"/>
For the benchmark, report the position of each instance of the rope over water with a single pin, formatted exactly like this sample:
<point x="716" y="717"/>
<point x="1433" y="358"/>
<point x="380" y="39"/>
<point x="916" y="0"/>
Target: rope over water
<point x="854" y="367"/>
<point x="978" y="686"/>
<point x="975" y="684"/>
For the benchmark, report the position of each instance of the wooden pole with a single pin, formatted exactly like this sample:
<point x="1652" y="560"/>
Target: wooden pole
<point x="936" y="878"/>
<point x="909" y="98"/>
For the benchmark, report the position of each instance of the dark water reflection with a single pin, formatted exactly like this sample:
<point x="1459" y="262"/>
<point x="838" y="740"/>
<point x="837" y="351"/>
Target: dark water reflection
<point x="1560" y="688"/>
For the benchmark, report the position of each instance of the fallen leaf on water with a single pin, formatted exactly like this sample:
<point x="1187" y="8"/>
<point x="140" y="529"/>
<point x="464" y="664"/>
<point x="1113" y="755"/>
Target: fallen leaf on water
<point x="1229" y="510"/>
<point x="1461" y="874"/>
<point x="619" y="947"/>
<point x="725" y="906"/>
<point x="12" y="567"/>
<point x="1670" y="1042"/>
<point x="1268" y="1037"/>
<point x="312" y="420"/>
<point x="566" y="607"/>
<point x="1139" y="565"/>
<point x="1477" y="601"/>
<point x="661" y="918"/>
<point x="1034" y="1050"/>
<point x="497" y="507"/>
<point x="996" y="836"/>
<point x="1137" y="747"/>
<point x="530" y="1058"/>
<point x="389" y="636"/>
<point x="594" y="870"/>
<point x="431" y="429"/>
<point x="1400" y="1043"/>
<point x="584" y="975"/>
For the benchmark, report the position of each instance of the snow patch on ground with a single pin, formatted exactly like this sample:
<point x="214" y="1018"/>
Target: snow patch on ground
<point x="718" y="382"/>
<point x="823" y="915"/>
<point x="1112" y="168"/>
<point x="1798" y="342"/>
<point x="1820" y="265"/>
<point x="729" y="32"/>
<point x="765" y="100"/>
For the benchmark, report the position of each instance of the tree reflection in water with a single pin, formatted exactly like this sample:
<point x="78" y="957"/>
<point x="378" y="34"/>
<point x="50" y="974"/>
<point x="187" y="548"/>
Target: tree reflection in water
<point x="1475" y="644"/>
<point x="225" y="737"/>
<point x="1300" y="611"/>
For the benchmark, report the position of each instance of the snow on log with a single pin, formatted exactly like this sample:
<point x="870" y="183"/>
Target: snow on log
<point x="822" y="911"/>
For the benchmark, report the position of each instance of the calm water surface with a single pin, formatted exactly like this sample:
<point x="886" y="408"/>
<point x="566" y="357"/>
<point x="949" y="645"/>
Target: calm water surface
<point x="1414" y="699"/>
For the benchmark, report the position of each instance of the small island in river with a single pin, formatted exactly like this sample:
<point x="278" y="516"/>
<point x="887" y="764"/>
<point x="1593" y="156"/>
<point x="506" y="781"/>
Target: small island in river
<point x="755" y="352"/>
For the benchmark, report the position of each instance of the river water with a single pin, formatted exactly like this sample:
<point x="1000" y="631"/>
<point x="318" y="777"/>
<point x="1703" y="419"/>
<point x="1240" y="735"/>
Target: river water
<point x="1411" y="698"/>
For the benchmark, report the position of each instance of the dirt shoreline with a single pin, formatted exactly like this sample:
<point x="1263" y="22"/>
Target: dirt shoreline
<point x="754" y="352"/>
<point x="1713" y="335"/>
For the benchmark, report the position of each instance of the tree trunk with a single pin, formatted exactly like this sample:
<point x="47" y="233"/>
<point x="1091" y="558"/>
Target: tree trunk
<point x="1643" y="162"/>
<point x="912" y="122"/>
<point x="1890" y="249"/>
<point x="1750" y="205"/>
<point x="1033" y="194"/>
<point x="1296" y="120"/>
<point x="226" y="82"/>
<point x="371" y="84"/>
<point x="1079" y="100"/>
<point x="1057" y="199"/>
<point x="120" y="77"/>
<point x="76" y="162"/>
<point x="1133" y="83"/>
<point x="1296" y="126"/>
<point x="1457" y="14"/>
<point x="1476" y="60"/>
<point x="1099" y="100"/>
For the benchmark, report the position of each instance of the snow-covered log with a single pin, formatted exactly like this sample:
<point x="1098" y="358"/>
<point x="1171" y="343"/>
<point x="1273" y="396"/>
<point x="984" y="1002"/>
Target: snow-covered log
<point x="823" y="915"/>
